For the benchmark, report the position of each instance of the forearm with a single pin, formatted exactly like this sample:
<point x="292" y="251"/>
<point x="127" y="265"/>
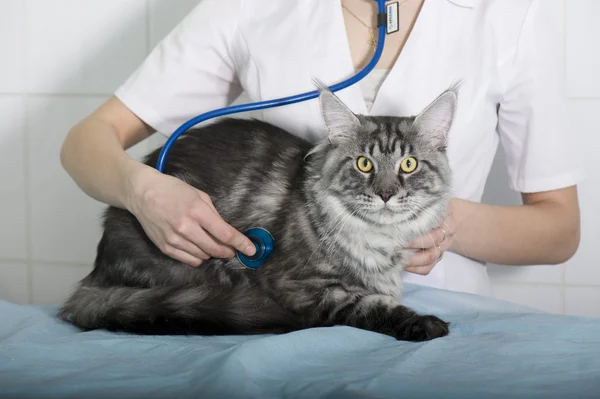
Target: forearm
<point x="544" y="232"/>
<point x="95" y="158"/>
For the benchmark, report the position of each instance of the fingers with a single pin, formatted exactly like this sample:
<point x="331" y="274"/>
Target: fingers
<point x="445" y="231"/>
<point x="421" y="270"/>
<point x="182" y="256"/>
<point x="224" y="233"/>
<point x="207" y="199"/>
<point x="429" y="240"/>
<point x="448" y="227"/>
<point x="186" y="242"/>
<point x="426" y="257"/>
<point x="190" y="236"/>
<point x="424" y="261"/>
<point x="195" y="237"/>
<point x="185" y="225"/>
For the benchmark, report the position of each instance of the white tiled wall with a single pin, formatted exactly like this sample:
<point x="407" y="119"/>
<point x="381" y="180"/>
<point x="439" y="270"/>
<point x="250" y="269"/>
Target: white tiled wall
<point x="62" y="58"/>
<point x="546" y="297"/>
<point x="75" y="46"/>
<point x="582" y="55"/>
<point x="572" y="288"/>
<point x="14" y="282"/>
<point x="50" y="282"/>
<point x="12" y="15"/>
<point x="59" y="231"/>
<point x="13" y="190"/>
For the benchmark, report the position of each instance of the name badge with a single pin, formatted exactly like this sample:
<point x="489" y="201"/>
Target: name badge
<point x="393" y="18"/>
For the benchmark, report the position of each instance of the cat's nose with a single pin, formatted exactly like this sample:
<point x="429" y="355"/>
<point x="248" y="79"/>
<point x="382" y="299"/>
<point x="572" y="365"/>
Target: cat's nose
<point x="386" y="195"/>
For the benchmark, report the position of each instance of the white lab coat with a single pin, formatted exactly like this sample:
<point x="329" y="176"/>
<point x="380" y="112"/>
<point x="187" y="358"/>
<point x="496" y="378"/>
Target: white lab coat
<point x="505" y="53"/>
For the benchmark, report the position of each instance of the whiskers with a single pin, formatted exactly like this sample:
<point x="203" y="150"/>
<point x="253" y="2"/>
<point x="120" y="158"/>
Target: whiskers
<point x="427" y="211"/>
<point x="338" y="222"/>
<point x="330" y="248"/>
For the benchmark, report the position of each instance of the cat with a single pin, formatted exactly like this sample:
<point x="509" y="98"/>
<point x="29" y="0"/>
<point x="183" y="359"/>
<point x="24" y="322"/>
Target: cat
<point x="341" y="213"/>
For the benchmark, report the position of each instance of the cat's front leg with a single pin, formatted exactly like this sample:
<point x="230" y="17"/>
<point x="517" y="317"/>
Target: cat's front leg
<point x="383" y="314"/>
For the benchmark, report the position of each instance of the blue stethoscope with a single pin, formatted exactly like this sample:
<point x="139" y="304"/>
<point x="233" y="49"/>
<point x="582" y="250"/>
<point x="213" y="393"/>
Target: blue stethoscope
<point x="262" y="239"/>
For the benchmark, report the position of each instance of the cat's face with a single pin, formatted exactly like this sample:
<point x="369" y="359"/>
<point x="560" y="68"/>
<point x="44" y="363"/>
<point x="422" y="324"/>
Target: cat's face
<point x="384" y="172"/>
<point x="384" y="169"/>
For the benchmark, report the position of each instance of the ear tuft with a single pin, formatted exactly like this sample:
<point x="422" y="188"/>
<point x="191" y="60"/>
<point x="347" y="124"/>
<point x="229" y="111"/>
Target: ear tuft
<point x="339" y="120"/>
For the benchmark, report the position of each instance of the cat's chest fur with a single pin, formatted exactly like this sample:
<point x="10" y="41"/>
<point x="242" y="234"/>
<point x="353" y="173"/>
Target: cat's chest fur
<point x="374" y="255"/>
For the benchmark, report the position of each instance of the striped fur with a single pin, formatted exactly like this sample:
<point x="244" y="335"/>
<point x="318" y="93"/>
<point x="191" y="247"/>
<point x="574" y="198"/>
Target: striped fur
<point x="339" y="246"/>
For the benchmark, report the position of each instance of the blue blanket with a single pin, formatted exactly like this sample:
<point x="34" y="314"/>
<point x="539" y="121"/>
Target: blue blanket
<point x="494" y="350"/>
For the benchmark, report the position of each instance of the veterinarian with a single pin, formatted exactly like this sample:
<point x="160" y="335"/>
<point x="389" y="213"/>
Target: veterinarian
<point x="505" y="53"/>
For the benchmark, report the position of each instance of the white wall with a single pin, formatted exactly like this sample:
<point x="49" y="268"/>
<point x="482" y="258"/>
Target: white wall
<point x="62" y="58"/>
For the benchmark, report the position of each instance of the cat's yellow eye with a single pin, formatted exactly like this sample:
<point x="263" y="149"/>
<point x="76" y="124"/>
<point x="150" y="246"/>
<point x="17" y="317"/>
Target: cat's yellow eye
<point x="364" y="164"/>
<point x="408" y="165"/>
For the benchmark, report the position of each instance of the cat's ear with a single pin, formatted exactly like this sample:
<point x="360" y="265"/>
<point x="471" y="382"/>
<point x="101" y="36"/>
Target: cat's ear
<point x="435" y="121"/>
<point x="340" y="121"/>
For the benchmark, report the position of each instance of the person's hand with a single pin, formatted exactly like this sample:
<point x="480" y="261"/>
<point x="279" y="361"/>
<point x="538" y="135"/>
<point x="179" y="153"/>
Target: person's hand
<point x="431" y="246"/>
<point x="182" y="221"/>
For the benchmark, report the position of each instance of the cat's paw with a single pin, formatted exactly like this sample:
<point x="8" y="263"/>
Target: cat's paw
<point x="419" y="328"/>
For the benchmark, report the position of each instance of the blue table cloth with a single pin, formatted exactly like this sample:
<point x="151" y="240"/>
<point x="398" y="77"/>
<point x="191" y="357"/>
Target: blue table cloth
<point x="494" y="350"/>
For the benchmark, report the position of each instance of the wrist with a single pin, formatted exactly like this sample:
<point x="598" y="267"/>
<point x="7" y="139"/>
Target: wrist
<point x="458" y="209"/>
<point x="137" y="180"/>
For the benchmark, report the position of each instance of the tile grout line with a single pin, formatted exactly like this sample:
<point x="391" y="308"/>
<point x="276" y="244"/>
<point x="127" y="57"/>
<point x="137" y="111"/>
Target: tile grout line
<point x="26" y="164"/>
<point x="582" y="99"/>
<point x="148" y="29"/>
<point x="565" y="59"/>
<point x="553" y="285"/>
<point x="56" y="94"/>
<point x="563" y="272"/>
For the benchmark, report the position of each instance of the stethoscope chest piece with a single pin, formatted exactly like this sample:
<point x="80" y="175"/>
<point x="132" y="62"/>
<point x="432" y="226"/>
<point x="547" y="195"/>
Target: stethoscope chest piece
<point x="264" y="243"/>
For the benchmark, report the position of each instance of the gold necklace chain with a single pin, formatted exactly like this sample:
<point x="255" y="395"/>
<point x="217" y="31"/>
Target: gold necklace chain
<point x="373" y="39"/>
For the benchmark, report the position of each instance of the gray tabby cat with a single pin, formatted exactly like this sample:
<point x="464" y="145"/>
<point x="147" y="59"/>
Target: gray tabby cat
<point x="340" y="212"/>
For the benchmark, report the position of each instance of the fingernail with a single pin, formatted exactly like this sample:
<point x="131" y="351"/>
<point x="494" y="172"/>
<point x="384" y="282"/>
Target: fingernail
<point x="250" y="250"/>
